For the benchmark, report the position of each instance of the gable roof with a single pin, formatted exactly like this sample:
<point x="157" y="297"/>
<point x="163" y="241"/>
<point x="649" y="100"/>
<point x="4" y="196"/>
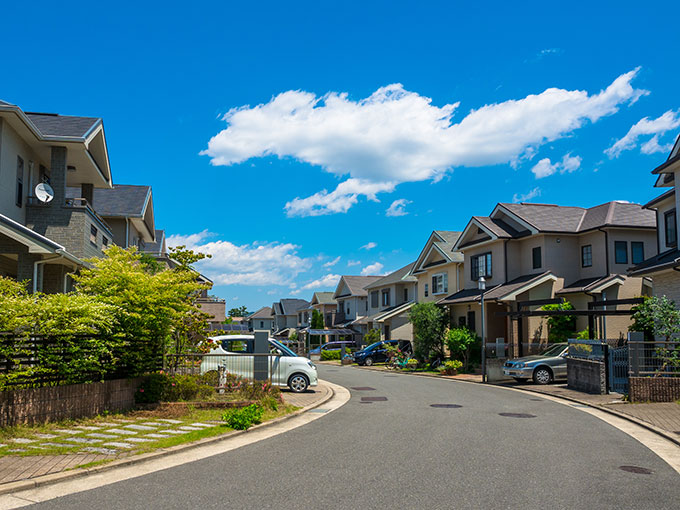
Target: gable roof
<point x="289" y="306"/>
<point x="400" y="275"/>
<point x="123" y="200"/>
<point x="158" y="246"/>
<point x="52" y="124"/>
<point x="442" y="241"/>
<point x="263" y="313"/>
<point x="323" y="298"/>
<point x="355" y="284"/>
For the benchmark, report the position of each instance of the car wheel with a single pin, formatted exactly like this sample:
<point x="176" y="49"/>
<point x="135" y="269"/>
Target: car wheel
<point x="542" y="375"/>
<point x="298" y="383"/>
<point x="368" y="361"/>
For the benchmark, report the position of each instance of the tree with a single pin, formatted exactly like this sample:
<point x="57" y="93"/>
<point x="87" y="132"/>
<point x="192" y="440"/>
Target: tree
<point x="317" y="323"/>
<point x="643" y="319"/>
<point x="656" y="317"/>
<point x="187" y="257"/>
<point x="241" y="311"/>
<point x="429" y="324"/>
<point x="560" y="327"/>
<point x="459" y="341"/>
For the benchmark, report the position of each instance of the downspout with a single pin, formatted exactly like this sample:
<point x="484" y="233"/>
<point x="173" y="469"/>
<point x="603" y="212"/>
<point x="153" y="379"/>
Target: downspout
<point x="127" y="232"/>
<point x="606" y="248"/>
<point x="35" y="270"/>
<point x="505" y="259"/>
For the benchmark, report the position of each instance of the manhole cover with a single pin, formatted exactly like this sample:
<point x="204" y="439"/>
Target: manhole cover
<point x="517" y="415"/>
<point x="363" y="388"/>
<point x="636" y="469"/>
<point x="365" y="402"/>
<point x="446" y="406"/>
<point x="373" y="399"/>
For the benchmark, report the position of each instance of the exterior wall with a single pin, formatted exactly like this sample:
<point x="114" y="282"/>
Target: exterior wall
<point x="497" y="264"/>
<point x="562" y="255"/>
<point x="599" y="268"/>
<point x="8" y="267"/>
<point x="396" y="296"/>
<point x="667" y="284"/>
<point x="353" y="307"/>
<point x="400" y="328"/>
<point x="261" y="324"/>
<point x="587" y="376"/>
<point x="647" y="237"/>
<point x="661" y="209"/>
<point x="425" y="277"/>
<point x="118" y="230"/>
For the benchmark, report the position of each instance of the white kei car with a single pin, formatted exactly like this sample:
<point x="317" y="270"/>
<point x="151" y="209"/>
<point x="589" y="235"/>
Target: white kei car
<point x="285" y="368"/>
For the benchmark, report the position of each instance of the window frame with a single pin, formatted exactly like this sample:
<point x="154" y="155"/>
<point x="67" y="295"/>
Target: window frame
<point x="93" y="235"/>
<point x="19" y="198"/>
<point x="405" y="294"/>
<point x="617" y="246"/>
<point x="641" y="246"/>
<point x="536" y="250"/>
<point x="488" y="266"/>
<point x="426" y="290"/>
<point x="385" y="297"/>
<point x="673" y="228"/>
<point x="375" y="299"/>
<point x="590" y="255"/>
<point x="436" y="283"/>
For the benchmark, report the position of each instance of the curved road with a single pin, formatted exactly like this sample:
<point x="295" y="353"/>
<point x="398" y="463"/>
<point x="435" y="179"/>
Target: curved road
<point x="403" y="453"/>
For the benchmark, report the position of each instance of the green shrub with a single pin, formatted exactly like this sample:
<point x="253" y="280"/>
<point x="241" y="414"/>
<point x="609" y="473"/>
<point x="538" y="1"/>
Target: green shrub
<point x="152" y="389"/>
<point x="164" y="388"/>
<point x="244" y="418"/>
<point x="372" y="336"/>
<point x="451" y="366"/>
<point x="259" y="391"/>
<point x="210" y="378"/>
<point x="329" y="355"/>
<point x="460" y="342"/>
<point x="560" y="327"/>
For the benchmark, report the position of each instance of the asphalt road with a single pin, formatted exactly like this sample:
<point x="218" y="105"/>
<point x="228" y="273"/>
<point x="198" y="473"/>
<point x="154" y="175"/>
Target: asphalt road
<point x="403" y="453"/>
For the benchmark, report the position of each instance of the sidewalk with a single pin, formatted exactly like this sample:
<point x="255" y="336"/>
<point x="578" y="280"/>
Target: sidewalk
<point x="14" y="468"/>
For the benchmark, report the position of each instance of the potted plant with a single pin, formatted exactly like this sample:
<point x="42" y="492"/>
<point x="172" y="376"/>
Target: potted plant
<point x="451" y="367"/>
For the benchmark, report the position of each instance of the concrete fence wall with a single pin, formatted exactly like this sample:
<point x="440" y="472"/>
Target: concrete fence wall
<point x="40" y="405"/>
<point x="587" y="375"/>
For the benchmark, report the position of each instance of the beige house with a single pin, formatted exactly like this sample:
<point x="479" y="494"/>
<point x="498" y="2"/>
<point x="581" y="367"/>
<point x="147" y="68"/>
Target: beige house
<point x="438" y="268"/>
<point x="664" y="268"/>
<point x="352" y="302"/>
<point x="326" y="305"/>
<point x="538" y="251"/>
<point x="389" y="300"/>
<point x="261" y="320"/>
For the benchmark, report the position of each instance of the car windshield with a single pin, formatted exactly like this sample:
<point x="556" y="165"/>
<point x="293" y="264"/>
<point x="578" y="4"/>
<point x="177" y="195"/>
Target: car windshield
<point x="372" y="346"/>
<point x="286" y="351"/>
<point x="555" y="350"/>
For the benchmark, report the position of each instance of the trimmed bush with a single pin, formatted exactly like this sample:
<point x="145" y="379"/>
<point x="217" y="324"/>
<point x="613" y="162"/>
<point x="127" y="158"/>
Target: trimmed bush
<point x="244" y="418"/>
<point x="329" y="355"/>
<point x="164" y="388"/>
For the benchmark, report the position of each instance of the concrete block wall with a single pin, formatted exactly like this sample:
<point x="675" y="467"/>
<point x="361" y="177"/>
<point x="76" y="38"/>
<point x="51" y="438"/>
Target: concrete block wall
<point x="587" y="375"/>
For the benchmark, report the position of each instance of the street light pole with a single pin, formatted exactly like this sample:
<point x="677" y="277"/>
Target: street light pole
<point x="481" y="283"/>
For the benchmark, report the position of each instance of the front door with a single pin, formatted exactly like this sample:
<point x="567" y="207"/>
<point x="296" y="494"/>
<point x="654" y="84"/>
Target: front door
<point x="386" y="330"/>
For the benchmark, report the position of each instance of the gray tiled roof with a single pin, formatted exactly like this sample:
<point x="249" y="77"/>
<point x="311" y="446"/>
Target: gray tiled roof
<point x="400" y="275"/>
<point x="449" y="240"/>
<point x="471" y="295"/>
<point x="550" y="218"/>
<point x="125" y="200"/>
<point x="62" y="125"/>
<point x="291" y="306"/>
<point x="357" y="284"/>
<point x="665" y="260"/>
<point x="498" y="227"/>
<point x="263" y="313"/>
<point x="157" y="246"/>
<point x="586" y="284"/>
<point x="324" y="298"/>
<point x="5" y="103"/>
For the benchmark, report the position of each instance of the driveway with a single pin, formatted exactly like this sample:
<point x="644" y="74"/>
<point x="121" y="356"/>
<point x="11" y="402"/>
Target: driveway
<point x="399" y="452"/>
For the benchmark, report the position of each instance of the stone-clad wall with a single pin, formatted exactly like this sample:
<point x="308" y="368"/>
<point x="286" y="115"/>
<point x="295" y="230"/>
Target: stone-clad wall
<point x="667" y="284"/>
<point x="587" y="376"/>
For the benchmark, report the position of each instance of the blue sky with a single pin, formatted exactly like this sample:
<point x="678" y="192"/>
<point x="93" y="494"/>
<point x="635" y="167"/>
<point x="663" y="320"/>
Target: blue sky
<point x="494" y="103"/>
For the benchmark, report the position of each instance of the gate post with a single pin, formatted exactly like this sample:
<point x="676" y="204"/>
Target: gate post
<point x="260" y="363"/>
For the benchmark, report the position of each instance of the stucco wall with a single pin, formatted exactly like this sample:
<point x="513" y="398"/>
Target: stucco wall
<point x="497" y="264"/>
<point x="667" y="284"/>
<point x="426" y="278"/>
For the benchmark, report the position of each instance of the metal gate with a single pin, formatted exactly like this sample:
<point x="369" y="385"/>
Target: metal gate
<point x="617" y="358"/>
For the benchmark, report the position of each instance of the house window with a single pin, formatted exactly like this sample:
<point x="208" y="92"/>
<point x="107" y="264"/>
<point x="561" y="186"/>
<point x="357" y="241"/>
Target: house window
<point x="261" y="324"/>
<point x="347" y="310"/>
<point x="671" y="228"/>
<point x="471" y="323"/>
<point x="405" y="295"/>
<point x="481" y="266"/>
<point x="440" y="283"/>
<point x="374" y="299"/>
<point x="20" y="182"/>
<point x="621" y="252"/>
<point x="637" y="251"/>
<point x="306" y="317"/>
<point x="536" y="257"/>
<point x="93" y="235"/>
<point x="427" y="288"/>
<point x="386" y="297"/>
<point x="105" y="242"/>
<point x="586" y="255"/>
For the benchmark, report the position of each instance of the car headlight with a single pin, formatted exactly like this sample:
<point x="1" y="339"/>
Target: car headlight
<point x="521" y="365"/>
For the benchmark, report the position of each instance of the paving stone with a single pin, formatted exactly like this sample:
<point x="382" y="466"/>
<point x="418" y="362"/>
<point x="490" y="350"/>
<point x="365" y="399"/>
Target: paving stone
<point x="17" y="450"/>
<point x="107" y="424"/>
<point x="153" y="424"/>
<point x="188" y="428"/>
<point x="37" y="446"/>
<point x="121" y="431"/>
<point x="22" y="440"/>
<point x="102" y="436"/>
<point x="67" y="431"/>
<point x="105" y="451"/>
<point x="158" y="436"/>
<point x="46" y="436"/>
<point x="176" y="432"/>
<point x="137" y="440"/>
<point x="87" y="427"/>
<point x="201" y="425"/>
<point x="119" y="445"/>
<point x="168" y="420"/>
<point x="125" y="420"/>
<point x="82" y="440"/>
<point x="139" y="427"/>
<point x="2" y="445"/>
<point x="59" y="445"/>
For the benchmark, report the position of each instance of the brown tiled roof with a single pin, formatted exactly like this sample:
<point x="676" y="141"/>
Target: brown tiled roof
<point x="400" y="275"/>
<point x="357" y="284"/>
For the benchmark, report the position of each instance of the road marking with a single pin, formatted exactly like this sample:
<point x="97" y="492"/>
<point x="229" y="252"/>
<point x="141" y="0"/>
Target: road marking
<point x="84" y="483"/>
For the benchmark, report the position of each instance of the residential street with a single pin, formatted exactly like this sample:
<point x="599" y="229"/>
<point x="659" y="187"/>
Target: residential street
<point x="403" y="453"/>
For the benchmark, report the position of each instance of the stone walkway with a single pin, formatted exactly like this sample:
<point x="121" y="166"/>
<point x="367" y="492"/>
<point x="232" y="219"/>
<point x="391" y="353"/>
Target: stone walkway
<point x="110" y="440"/>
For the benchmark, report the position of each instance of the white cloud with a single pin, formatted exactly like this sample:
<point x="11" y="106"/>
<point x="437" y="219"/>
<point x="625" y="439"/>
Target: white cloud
<point x="330" y="280"/>
<point x="369" y="246"/>
<point x="331" y="263"/>
<point x="372" y="269"/>
<point x="249" y="264"/>
<point x="398" y="208"/>
<point x="536" y="192"/>
<point x="659" y="126"/>
<point x="396" y="136"/>
<point x="545" y="167"/>
<point x="351" y="263"/>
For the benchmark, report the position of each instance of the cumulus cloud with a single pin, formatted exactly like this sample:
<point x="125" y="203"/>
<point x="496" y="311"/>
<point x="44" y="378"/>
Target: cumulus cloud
<point x="398" y="208"/>
<point x="369" y="246"/>
<point x="536" y="192"/>
<point x="372" y="269"/>
<point x="330" y="280"/>
<point x="657" y="127"/>
<point x="331" y="263"/>
<point x="351" y="263"/>
<point x="396" y="136"/>
<point x="249" y="264"/>
<point x="545" y="167"/>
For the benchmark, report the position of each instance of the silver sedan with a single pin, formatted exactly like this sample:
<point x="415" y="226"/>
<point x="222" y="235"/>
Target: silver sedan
<point x="543" y="368"/>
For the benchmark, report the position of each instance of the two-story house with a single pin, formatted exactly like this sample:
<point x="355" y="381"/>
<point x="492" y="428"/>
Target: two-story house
<point x="326" y="306"/>
<point x="664" y="268"/>
<point x="44" y="236"/>
<point x="540" y="251"/>
<point x="389" y="300"/>
<point x="352" y="302"/>
<point x="285" y="315"/>
<point x="438" y="267"/>
<point x="261" y="320"/>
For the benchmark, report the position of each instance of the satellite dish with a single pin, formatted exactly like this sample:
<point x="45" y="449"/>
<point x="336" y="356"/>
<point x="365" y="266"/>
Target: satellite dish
<point x="44" y="192"/>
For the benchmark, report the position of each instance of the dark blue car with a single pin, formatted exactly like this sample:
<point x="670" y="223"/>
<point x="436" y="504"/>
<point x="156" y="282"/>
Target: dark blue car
<point x="377" y="353"/>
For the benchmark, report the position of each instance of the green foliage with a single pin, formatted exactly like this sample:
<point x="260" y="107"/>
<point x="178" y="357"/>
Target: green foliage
<point x="451" y="366"/>
<point x="161" y="387"/>
<point x="372" y="336"/>
<point x="656" y="317"/>
<point x="259" y="390"/>
<point x="328" y="354"/>
<point x="152" y="389"/>
<point x="460" y="342"/>
<point x="560" y="327"/>
<point x="244" y="418"/>
<point x="241" y="311"/>
<point x="583" y="335"/>
<point x="293" y="336"/>
<point x="186" y="257"/>
<point x="429" y="325"/>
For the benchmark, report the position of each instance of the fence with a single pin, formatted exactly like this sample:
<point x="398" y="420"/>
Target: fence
<point x="654" y="359"/>
<point x="55" y="360"/>
<point x="252" y="367"/>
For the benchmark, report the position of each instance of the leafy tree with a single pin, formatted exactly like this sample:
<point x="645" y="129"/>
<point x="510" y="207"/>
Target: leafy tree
<point x="459" y="341"/>
<point x="372" y="336"/>
<point x="656" y="317"/>
<point x="429" y="325"/>
<point x="186" y="257"/>
<point x="241" y="311"/>
<point x="316" y="323"/>
<point x="643" y="318"/>
<point x="560" y="327"/>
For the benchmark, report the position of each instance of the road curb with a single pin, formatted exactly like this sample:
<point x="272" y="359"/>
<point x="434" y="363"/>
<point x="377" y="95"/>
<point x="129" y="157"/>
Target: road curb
<point x="618" y="414"/>
<point x="53" y="478"/>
